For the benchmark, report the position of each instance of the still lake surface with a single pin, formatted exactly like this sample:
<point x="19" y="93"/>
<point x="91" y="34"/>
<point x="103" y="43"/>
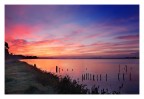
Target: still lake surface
<point x="111" y="74"/>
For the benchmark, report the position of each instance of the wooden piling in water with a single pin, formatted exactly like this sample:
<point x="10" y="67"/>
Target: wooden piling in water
<point x="93" y="78"/>
<point x="97" y="77"/>
<point x="106" y="77"/>
<point x="118" y="76"/>
<point x="56" y="69"/>
<point x="123" y="76"/>
<point x="35" y="65"/>
<point x="130" y="77"/>
<point x="90" y="76"/>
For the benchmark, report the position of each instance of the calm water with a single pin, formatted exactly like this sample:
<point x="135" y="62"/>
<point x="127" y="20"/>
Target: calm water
<point x="111" y="74"/>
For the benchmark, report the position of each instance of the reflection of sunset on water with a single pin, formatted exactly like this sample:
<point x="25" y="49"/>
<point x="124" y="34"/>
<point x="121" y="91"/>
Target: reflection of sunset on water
<point x="77" y="68"/>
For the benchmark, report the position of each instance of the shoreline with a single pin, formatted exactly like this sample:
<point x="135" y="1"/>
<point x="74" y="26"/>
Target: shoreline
<point x="22" y="78"/>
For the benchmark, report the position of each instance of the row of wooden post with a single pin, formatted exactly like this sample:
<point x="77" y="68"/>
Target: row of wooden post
<point x="88" y="76"/>
<point x="59" y="69"/>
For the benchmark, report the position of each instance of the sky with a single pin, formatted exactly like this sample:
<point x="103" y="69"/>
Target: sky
<point x="73" y="30"/>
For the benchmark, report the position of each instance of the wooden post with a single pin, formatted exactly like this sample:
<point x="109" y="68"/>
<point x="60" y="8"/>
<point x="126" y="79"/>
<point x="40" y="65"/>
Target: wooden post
<point x="93" y="78"/>
<point x="106" y="77"/>
<point x="130" y="77"/>
<point x="123" y="76"/>
<point x="35" y="65"/>
<point x="118" y="76"/>
<point x="56" y="69"/>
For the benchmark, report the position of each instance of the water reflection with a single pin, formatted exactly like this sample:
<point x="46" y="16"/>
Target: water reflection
<point x="108" y="74"/>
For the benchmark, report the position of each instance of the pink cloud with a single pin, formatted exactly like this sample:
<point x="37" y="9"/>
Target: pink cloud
<point x="22" y="31"/>
<point x="18" y="32"/>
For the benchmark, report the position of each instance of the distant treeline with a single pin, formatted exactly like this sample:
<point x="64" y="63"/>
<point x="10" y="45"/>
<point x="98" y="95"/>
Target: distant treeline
<point x="23" y="57"/>
<point x="88" y="58"/>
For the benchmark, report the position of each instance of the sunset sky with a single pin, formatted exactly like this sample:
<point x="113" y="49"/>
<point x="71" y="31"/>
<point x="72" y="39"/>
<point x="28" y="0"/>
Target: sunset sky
<point x="73" y="30"/>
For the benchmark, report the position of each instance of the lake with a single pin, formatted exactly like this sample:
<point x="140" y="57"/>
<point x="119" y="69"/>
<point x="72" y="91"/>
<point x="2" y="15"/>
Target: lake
<point x="110" y="74"/>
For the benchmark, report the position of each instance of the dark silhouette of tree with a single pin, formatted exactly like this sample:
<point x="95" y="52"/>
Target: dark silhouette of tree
<point x="6" y="50"/>
<point x="6" y="45"/>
